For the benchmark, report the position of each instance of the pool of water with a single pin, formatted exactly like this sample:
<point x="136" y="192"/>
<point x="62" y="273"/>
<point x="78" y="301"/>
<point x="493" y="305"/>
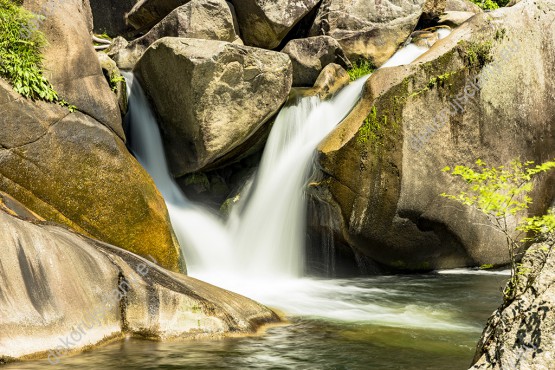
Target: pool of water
<point x="419" y="322"/>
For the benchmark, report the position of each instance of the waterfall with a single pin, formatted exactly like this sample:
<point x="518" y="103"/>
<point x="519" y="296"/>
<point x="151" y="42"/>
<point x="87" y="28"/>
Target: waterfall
<point x="263" y="243"/>
<point x="269" y="237"/>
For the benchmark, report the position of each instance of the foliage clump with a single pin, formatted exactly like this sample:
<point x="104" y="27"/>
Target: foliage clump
<point x="360" y="68"/>
<point x="490" y="4"/>
<point x="477" y="54"/>
<point x="20" y="52"/>
<point x="500" y="193"/>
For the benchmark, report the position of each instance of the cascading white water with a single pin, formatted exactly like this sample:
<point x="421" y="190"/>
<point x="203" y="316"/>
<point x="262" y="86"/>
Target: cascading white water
<point x="269" y="238"/>
<point x="194" y="225"/>
<point x="260" y="252"/>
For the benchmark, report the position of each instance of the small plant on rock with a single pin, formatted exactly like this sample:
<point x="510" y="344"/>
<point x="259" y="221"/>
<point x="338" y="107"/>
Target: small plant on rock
<point x="361" y="67"/>
<point x="501" y="193"/>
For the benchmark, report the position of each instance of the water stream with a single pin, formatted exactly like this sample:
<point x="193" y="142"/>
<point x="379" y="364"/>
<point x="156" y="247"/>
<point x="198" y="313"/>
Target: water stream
<point x="259" y="251"/>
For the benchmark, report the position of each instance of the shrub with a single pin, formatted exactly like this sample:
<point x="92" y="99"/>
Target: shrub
<point x="361" y="67"/>
<point x="20" y="56"/>
<point x="502" y="192"/>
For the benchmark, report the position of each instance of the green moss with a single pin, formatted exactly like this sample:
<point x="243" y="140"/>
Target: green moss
<point x="372" y="128"/>
<point x="440" y="80"/>
<point x="477" y="54"/>
<point x="361" y="67"/>
<point x="486" y="266"/>
<point x="197" y="178"/>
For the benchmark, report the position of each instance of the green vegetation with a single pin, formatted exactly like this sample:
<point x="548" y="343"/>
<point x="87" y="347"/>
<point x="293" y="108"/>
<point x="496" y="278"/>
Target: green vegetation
<point x="477" y="54"/>
<point x="501" y="193"/>
<point x="114" y="81"/>
<point x="21" y="59"/>
<point x="371" y="128"/>
<point x="20" y="54"/>
<point x="486" y="266"/>
<point x="440" y="80"/>
<point x="490" y="4"/>
<point x="361" y="67"/>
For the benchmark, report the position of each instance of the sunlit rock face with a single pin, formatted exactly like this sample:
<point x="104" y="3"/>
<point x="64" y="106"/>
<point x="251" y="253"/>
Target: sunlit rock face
<point x="61" y="292"/>
<point x="521" y="334"/>
<point x="368" y="29"/>
<point x="198" y="19"/>
<point x="265" y="23"/>
<point x="219" y="95"/>
<point x="483" y="92"/>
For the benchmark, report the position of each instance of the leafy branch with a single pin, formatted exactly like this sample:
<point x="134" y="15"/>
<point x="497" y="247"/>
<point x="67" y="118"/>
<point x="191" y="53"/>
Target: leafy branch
<point x="501" y="193"/>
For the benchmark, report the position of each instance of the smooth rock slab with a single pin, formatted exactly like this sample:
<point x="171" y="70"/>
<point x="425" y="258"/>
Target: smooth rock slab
<point x="211" y="96"/>
<point x="61" y="292"/>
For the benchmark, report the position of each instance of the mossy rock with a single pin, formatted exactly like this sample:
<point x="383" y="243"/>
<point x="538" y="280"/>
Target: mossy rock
<point x="70" y="169"/>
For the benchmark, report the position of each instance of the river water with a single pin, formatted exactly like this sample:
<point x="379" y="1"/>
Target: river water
<point x="430" y="321"/>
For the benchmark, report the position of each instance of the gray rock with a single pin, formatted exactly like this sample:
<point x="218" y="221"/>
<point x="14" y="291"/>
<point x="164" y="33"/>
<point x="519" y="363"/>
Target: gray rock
<point x="454" y="19"/>
<point x="265" y="23"/>
<point x="383" y="163"/>
<point x="70" y="169"/>
<point x="115" y="79"/>
<point x="60" y="287"/>
<point x="521" y="333"/>
<point x="309" y="56"/>
<point x="332" y="79"/>
<point x="71" y="63"/>
<point x="198" y="19"/>
<point x="219" y="95"/>
<point x="368" y="29"/>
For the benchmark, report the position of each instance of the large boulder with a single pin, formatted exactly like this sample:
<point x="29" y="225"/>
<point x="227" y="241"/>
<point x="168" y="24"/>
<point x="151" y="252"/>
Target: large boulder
<point x="368" y="29"/>
<point x="71" y="169"/>
<point x="310" y="55"/>
<point x="109" y="16"/>
<point x="521" y="333"/>
<point x="217" y="97"/>
<point x="61" y="293"/>
<point x="198" y="19"/>
<point x="483" y="92"/>
<point x="265" y="23"/>
<point x="71" y="63"/>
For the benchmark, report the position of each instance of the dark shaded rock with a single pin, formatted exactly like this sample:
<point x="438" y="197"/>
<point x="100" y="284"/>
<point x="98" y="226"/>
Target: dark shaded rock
<point x="146" y="13"/>
<point x="109" y="16"/>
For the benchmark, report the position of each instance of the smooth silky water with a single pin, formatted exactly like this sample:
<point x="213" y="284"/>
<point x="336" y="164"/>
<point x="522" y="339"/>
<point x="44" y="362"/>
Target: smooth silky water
<point x="391" y="322"/>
